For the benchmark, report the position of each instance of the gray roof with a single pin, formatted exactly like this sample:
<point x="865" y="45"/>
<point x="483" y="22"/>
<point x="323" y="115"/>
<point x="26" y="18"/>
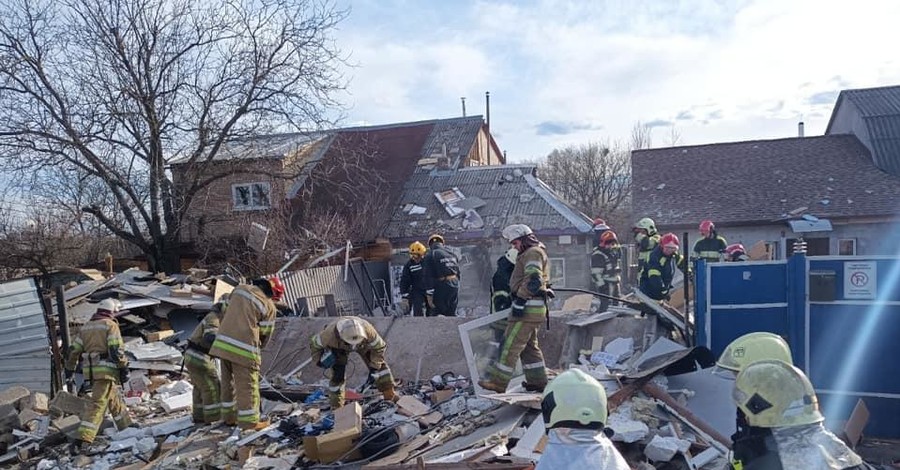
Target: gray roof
<point x="264" y="146"/>
<point x="829" y="176"/>
<point x="880" y="110"/>
<point x="511" y="194"/>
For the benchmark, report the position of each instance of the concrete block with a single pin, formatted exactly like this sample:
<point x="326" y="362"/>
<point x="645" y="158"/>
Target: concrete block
<point x="27" y="415"/>
<point x="177" y="402"/>
<point x="144" y="446"/>
<point x="662" y="449"/>
<point x="175" y="388"/>
<point x="36" y="401"/>
<point x="626" y="429"/>
<point x="63" y="424"/>
<point x="117" y="446"/>
<point x="125" y="434"/>
<point x="64" y="403"/>
<point x="171" y="427"/>
<point x="9" y="417"/>
<point x="12" y="395"/>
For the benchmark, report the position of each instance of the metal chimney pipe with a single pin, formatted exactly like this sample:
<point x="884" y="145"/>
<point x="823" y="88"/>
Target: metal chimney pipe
<point x="487" y="109"/>
<point x="800" y="129"/>
<point x="463" y="99"/>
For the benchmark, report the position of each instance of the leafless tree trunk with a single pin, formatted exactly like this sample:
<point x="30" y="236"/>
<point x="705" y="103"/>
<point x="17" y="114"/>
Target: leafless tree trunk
<point x="107" y="93"/>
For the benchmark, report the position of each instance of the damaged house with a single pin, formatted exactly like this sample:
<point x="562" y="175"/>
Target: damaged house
<point x="840" y="191"/>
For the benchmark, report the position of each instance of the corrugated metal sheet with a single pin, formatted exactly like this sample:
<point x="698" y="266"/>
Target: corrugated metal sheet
<point x="885" y="134"/>
<point x="24" y="347"/>
<point x="313" y="284"/>
<point x="881" y="101"/>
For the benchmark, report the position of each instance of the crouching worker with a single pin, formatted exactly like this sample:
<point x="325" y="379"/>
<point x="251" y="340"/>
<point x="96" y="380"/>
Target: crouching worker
<point x="331" y="349"/>
<point x="202" y="367"/>
<point x="99" y="347"/>
<point x="785" y="425"/>
<point x="574" y="410"/>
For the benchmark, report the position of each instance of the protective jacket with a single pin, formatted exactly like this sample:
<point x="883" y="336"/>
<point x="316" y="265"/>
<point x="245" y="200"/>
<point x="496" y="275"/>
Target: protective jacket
<point x="528" y="283"/>
<point x="441" y="279"/>
<point x="99" y="347"/>
<point x="656" y="279"/>
<point x="605" y="265"/>
<point x="245" y="328"/>
<point x="646" y="245"/>
<point x="329" y="338"/>
<point x="808" y="446"/>
<point x="711" y="249"/>
<point x="413" y="277"/>
<point x="205" y="332"/>
<point x="500" y="296"/>
<point x="578" y="449"/>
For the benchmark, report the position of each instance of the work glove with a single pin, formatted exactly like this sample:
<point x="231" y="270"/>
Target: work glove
<point x="123" y="375"/>
<point x="548" y="294"/>
<point x="327" y="360"/>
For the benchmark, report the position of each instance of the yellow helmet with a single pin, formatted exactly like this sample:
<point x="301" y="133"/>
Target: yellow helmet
<point x="647" y="224"/>
<point x="753" y="347"/>
<point x="574" y="399"/>
<point x="775" y="394"/>
<point x="351" y="330"/>
<point x="417" y="248"/>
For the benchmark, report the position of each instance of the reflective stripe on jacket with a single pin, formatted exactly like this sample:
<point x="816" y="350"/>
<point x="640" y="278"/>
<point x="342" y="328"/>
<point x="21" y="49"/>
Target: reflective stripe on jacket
<point x="246" y="326"/>
<point x="99" y="348"/>
<point x="205" y="330"/>
<point x="531" y="274"/>
<point x="328" y="338"/>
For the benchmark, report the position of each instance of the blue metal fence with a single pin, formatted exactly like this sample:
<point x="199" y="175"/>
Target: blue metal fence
<point x="841" y="316"/>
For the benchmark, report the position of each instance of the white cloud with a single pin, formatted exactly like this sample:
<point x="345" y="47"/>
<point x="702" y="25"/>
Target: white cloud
<point x="722" y="72"/>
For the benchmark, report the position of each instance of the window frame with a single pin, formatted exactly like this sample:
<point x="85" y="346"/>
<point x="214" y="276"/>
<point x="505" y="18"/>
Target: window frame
<point x="556" y="282"/>
<point x="251" y="207"/>
<point x="853" y="241"/>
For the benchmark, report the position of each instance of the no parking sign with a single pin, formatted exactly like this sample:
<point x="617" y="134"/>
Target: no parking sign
<point x="860" y="280"/>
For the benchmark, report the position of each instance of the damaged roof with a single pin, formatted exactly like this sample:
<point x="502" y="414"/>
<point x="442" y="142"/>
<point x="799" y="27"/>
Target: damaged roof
<point x="762" y="181"/>
<point x="879" y="109"/>
<point x="510" y="194"/>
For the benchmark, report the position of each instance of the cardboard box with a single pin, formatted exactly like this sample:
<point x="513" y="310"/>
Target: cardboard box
<point x="159" y="335"/>
<point x="336" y="445"/>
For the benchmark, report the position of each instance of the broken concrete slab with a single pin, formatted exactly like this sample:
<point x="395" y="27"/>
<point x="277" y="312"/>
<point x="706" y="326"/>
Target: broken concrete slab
<point x="171" y="427"/>
<point x="177" y="402"/>
<point x="35" y="401"/>
<point x="625" y="428"/>
<point x="12" y="395"/>
<point x="67" y="403"/>
<point x="282" y="462"/>
<point x="662" y="449"/>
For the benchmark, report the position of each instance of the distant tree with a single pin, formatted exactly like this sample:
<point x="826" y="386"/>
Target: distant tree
<point x="112" y="91"/>
<point x="594" y="177"/>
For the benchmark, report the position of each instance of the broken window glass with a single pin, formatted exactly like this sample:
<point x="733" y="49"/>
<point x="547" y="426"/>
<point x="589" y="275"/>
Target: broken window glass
<point x="261" y="195"/>
<point x="252" y="196"/>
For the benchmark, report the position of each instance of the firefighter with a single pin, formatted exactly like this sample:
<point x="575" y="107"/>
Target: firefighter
<point x="785" y="425"/>
<point x="605" y="270"/>
<point x="647" y="238"/>
<point x="736" y="252"/>
<point x="202" y="367"/>
<point x="246" y="327"/>
<point x="441" y="277"/>
<point x="574" y="412"/>
<point x="331" y="349"/>
<point x="412" y="281"/>
<point x="530" y="293"/>
<point x="657" y="276"/>
<point x="754" y="347"/>
<point x="500" y="298"/>
<point x="711" y="246"/>
<point x="99" y="348"/>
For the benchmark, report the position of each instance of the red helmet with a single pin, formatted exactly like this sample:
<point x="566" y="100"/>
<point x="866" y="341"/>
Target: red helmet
<point x="707" y="227"/>
<point x="734" y="248"/>
<point x="277" y="288"/>
<point x="608" y="238"/>
<point x="669" y="240"/>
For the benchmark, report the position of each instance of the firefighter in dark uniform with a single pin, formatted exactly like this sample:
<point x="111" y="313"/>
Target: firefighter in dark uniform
<point x="441" y="277"/>
<point x="100" y="350"/>
<point x="657" y="276"/>
<point x="711" y="247"/>
<point x="412" y="281"/>
<point x="500" y="298"/>
<point x="605" y="269"/>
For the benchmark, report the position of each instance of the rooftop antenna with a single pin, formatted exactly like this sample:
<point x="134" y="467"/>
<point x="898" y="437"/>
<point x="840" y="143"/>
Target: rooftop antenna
<point x="463" y="99"/>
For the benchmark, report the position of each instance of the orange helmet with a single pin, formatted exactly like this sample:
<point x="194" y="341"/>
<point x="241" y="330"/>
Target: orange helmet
<point x="669" y="240"/>
<point x="608" y="238"/>
<point x="707" y="227"/>
<point x="277" y="288"/>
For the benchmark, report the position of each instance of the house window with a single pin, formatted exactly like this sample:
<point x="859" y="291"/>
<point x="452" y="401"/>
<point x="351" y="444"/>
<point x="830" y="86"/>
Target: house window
<point x="558" y="272"/>
<point x="847" y="247"/>
<point x="772" y="250"/>
<point x="251" y="196"/>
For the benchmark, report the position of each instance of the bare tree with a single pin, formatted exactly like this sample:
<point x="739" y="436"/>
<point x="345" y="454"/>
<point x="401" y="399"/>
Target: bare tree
<point x="641" y="136"/>
<point x="594" y="177"/>
<point x="674" y="137"/>
<point x="112" y="91"/>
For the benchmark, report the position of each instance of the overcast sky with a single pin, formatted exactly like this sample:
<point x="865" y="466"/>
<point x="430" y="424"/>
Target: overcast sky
<point x="568" y="72"/>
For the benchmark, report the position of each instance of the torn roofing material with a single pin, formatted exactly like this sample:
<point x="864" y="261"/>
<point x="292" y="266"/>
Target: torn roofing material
<point x="24" y="347"/>
<point x="510" y="193"/>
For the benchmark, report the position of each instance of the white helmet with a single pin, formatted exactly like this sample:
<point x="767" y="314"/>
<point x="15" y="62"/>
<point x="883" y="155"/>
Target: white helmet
<point x="351" y="330"/>
<point x="110" y="305"/>
<point x="511" y="255"/>
<point x="574" y="399"/>
<point x="514" y="231"/>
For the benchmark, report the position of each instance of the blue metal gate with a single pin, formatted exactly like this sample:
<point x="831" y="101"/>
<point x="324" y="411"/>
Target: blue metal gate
<point x="841" y="316"/>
